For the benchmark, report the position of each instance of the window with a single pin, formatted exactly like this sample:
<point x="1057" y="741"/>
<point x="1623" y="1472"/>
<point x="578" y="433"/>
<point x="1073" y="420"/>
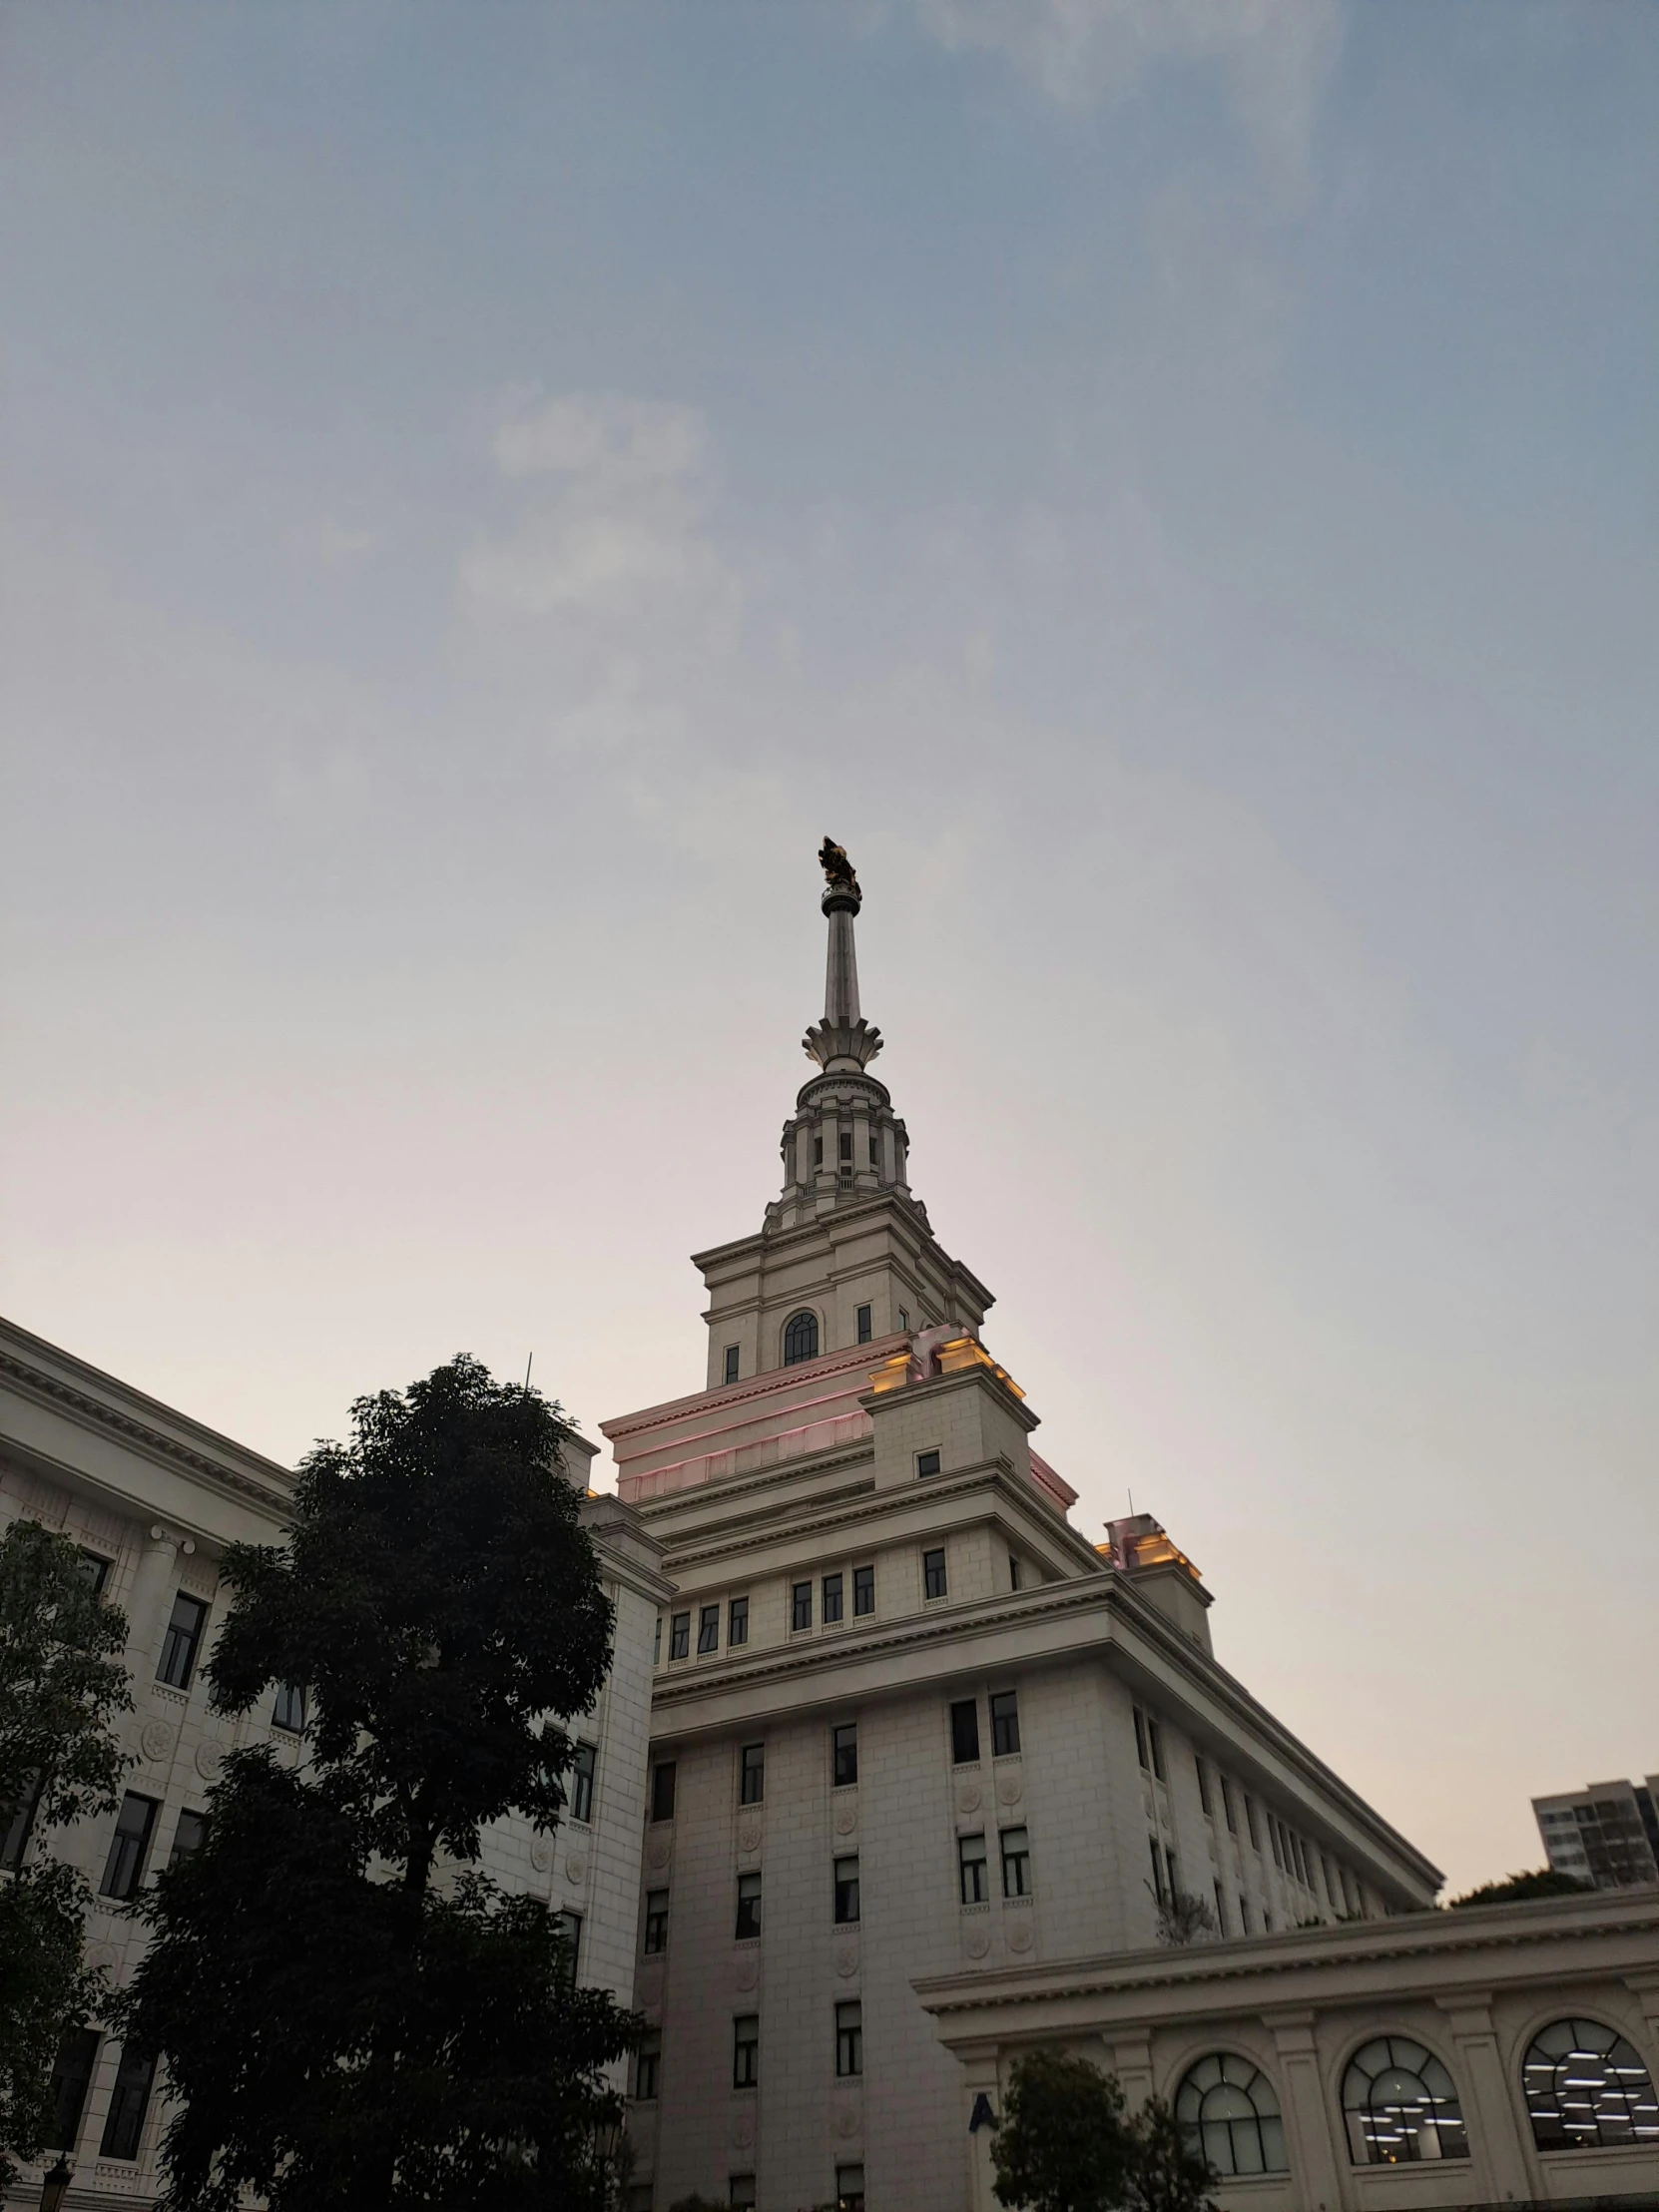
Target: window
<point x="1016" y="1863"/>
<point x="745" y="2052"/>
<point x="1013" y="1572"/>
<point x="849" y="2189"/>
<point x="863" y="1590"/>
<point x="1173" y="1879"/>
<point x="1400" y="2105"/>
<point x="731" y="1362"/>
<point x="15" y="1840"/>
<point x="748" y="1907"/>
<point x="1244" y="1911"/>
<point x="679" y="1636"/>
<point x="1203" y="1785"/>
<point x="128" y="1847"/>
<point x="1005" y="1723"/>
<point x="818" y="1152"/>
<point x="288" y="1712"/>
<point x="580" y="1782"/>
<point x="188" y="1835"/>
<point x="846" y="1890"/>
<point x="661" y="1789"/>
<point x="1227" y="2113"/>
<point x="742" y="2193"/>
<point x="843" y="1147"/>
<point x="736" y="1622"/>
<point x="1330" y="1889"/>
<point x="1272" y="1839"/>
<point x="707" y="1628"/>
<point x="1140" y="1738"/>
<point x="903" y="1317"/>
<point x="1585" y="2087"/>
<point x="970" y="1861"/>
<point x="1221" y="1911"/>
<point x="832" y="1598"/>
<point x="1155" y="1744"/>
<point x="964" y="1733"/>
<point x="647" y="2066"/>
<point x="1157" y="1869"/>
<point x="657" y="1644"/>
<point x="800" y="1339"/>
<point x="1227" y="1805"/>
<point x="801" y="1606"/>
<point x="655" y="1921"/>
<point x="1250" y="1822"/>
<point x="928" y="1463"/>
<point x="570" y="1936"/>
<point x="129" y="2102"/>
<point x="752" y="1784"/>
<point x="93" y="1572"/>
<point x="182" y="1641"/>
<point x="850" y="2040"/>
<point x="843" y="1754"/>
<point x="71" y="2075"/>
<point x="640" y="2194"/>
<point x="862" y="1316"/>
<point x="933" y="1574"/>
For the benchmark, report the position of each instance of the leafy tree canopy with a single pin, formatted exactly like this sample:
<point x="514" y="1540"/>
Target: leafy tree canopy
<point x="1065" y="2144"/>
<point x="1543" y="1882"/>
<point x="346" y="2014"/>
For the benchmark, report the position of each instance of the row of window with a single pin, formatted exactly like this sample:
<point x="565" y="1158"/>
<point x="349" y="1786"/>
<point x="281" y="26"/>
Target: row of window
<point x="129" y="2100"/>
<point x="800" y="1335"/>
<point x="849" y="2192"/>
<point x="1584" y="2086"/>
<point x="845" y="1904"/>
<point x="745" y="2052"/>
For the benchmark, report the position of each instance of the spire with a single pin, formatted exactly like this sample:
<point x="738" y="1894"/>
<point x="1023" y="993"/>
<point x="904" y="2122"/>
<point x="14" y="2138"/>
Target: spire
<point x="844" y="1041"/>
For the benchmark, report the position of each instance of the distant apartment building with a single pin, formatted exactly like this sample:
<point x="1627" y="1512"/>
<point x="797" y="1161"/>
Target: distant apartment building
<point x="1606" y="1833"/>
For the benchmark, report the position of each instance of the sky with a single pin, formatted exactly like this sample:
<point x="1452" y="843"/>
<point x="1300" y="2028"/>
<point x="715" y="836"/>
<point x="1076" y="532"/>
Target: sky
<point x="1170" y="484"/>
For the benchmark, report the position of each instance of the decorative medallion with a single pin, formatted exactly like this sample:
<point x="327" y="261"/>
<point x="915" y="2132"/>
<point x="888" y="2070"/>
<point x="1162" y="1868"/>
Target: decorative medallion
<point x="1010" y="1788"/>
<point x="742" y="2131"/>
<point x="967" y="1798"/>
<point x="541" y="1853"/>
<point x="1020" y="1936"/>
<point x="748" y="1972"/>
<point x="657" y="1853"/>
<point x="210" y="1756"/>
<point x="576" y="1866"/>
<point x="748" y="1835"/>
<point x="100" y="1957"/>
<point x="846" y="1819"/>
<point x="156" y="1740"/>
<point x="846" y="1957"/>
<point x="847" y="2121"/>
<point x="978" y="1940"/>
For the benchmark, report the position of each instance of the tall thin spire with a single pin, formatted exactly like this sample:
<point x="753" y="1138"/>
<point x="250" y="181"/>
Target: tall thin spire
<point x="843" y="1041"/>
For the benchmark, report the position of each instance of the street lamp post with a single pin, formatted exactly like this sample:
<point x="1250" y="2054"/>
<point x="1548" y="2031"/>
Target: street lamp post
<point x="55" y="2185"/>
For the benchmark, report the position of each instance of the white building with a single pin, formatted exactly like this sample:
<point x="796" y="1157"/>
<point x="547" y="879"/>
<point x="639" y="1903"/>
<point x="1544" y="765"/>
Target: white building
<point x="1607" y="1833"/>
<point x="152" y="1499"/>
<point x="909" y="1721"/>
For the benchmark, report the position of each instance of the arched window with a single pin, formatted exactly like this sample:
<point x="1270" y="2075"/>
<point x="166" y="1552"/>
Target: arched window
<point x="1585" y="2087"/>
<point x="1400" y="2105"/>
<point x="800" y="1337"/>
<point x="1228" y="2111"/>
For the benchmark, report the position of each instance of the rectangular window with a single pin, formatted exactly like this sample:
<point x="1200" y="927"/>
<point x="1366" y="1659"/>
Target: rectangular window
<point x="128" y="1847"/>
<point x="748" y="1907"/>
<point x="288" y="1712"/>
<point x="1005" y="1723"/>
<point x="661" y="1789"/>
<point x="1140" y="1738"/>
<point x="863" y="1590"/>
<point x="71" y="2077"/>
<point x="1272" y="1839"/>
<point x="964" y="1733"/>
<point x="1304" y="1871"/>
<point x="657" y="1644"/>
<point x="844" y="1755"/>
<point x="1157" y="1869"/>
<point x="1221" y="1911"/>
<point x="570" y="1937"/>
<point x="818" y="1152"/>
<point x="843" y="1146"/>
<point x="731" y="1362"/>
<point x="928" y="1463"/>
<point x="580" y="1782"/>
<point x="1330" y="1881"/>
<point x="832" y="1598"/>
<point x="737" y="1623"/>
<point x="22" y="1819"/>
<point x="846" y="1890"/>
<point x="904" y="1318"/>
<point x="95" y="1573"/>
<point x="849" y="2189"/>
<point x="1016" y="1863"/>
<point x="746" y="2052"/>
<point x="647" y="2065"/>
<point x="1155" y="1744"/>
<point x="1013" y="1572"/>
<point x="1203" y="1784"/>
<point x="850" y="2040"/>
<point x="933" y="1574"/>
<point x="1244" y="1911"/>
<point x="707" y="1628"/>
<point x="800" y="1605"/>
<point x="182" y="1641"/>
<point x="1250" y="1822"/>
<point x="679" y="1636"/>
<point x="970" y="1864"/>
<point x="655" y="1921"/>
<point x="865" y="1320"/>
<point x="129" y="2102"/>
<point x="742" y="2194"/>
<point x="1227" y="1805"/>
<point x="752" y="1786"/>
<point x="1174" y="1877"/>
<point x="188" y="1835"/>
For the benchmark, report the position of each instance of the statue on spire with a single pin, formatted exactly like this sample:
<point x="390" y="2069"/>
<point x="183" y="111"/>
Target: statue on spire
<point x="838" y="869"/>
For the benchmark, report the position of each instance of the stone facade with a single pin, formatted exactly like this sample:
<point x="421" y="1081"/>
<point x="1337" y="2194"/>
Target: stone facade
<point x="157" y="1497"/>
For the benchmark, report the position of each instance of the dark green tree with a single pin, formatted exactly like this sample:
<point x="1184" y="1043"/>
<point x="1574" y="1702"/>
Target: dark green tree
<point x="1065" y="2144"/>
<point x="1167" y="2172"/>
<point x="348" y="2015"/>
<point x="1543" y="1882"/>
<point x="62" y="1683"/>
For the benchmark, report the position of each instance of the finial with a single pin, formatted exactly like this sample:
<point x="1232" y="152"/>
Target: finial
<point x="844" y="1039"/>
<point x="838" y="869"/>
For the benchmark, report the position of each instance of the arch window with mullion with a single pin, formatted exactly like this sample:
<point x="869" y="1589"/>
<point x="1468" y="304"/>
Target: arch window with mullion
<point x="1587" y="2089"/>
<point x="1228" y="2111"/>
<point x="1400" y="2105"/>
<point x="800" y="1337"/>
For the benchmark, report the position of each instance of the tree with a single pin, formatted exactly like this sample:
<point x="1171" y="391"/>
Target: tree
<point x="348" y="2013"/>
<point x="1182" y="1918"/>
<point x="1064" y="2144"/>
<point x="1543" y="1882"/>
<point x="62" y="1683"/>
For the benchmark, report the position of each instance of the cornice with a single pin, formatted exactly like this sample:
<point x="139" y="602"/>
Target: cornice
<point x="827" y="1364"/>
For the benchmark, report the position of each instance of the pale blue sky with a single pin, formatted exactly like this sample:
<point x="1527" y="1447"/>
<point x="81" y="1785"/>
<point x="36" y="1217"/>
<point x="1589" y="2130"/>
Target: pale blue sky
<point x="1170" y="484"/>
